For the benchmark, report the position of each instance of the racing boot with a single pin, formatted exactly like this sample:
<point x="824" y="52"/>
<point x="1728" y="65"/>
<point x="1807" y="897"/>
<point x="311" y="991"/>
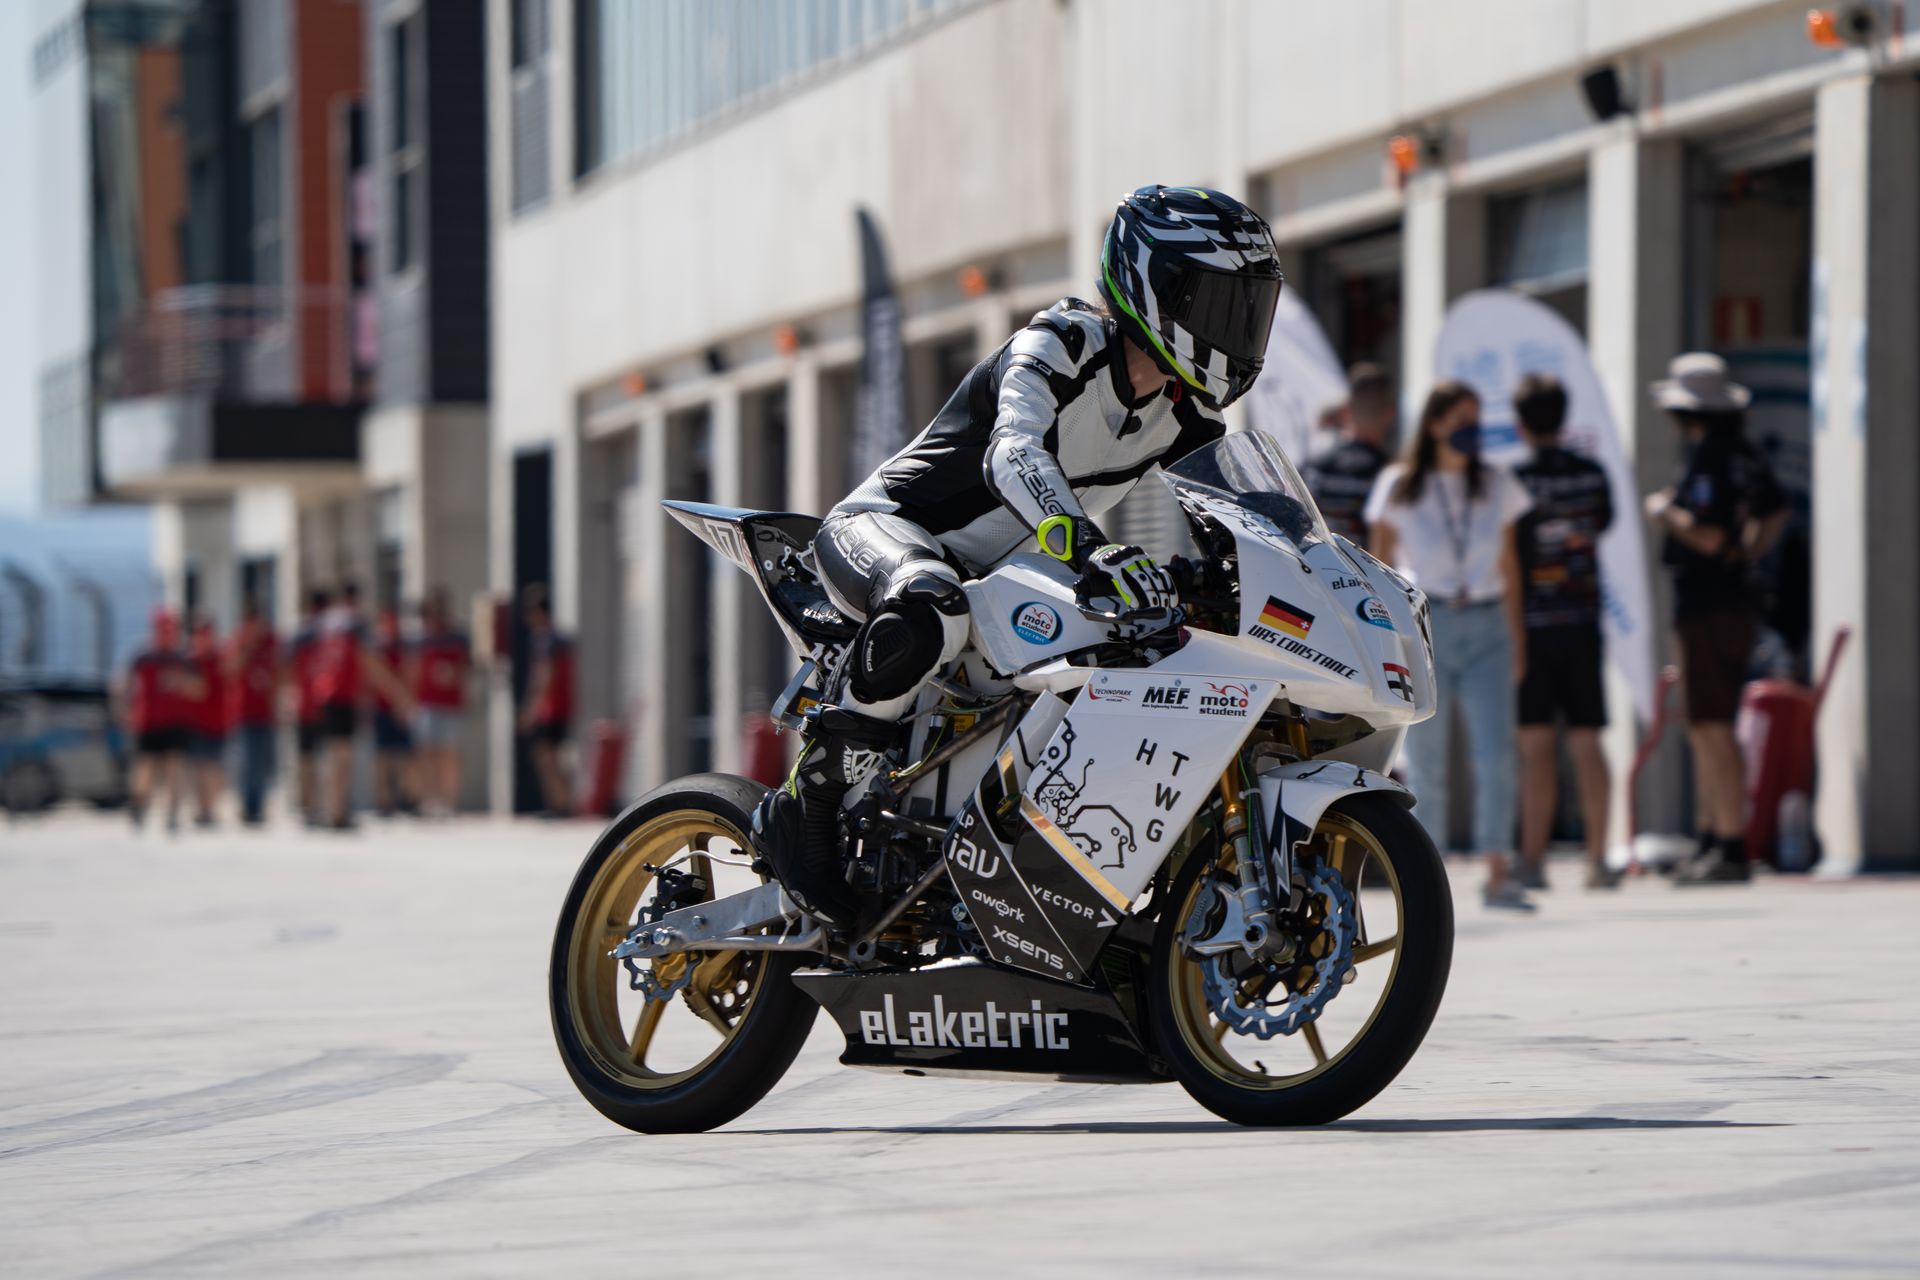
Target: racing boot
<point x="796" y="827"/>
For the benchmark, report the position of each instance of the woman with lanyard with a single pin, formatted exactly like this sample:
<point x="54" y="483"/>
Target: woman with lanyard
<point x="1444" y="517"/>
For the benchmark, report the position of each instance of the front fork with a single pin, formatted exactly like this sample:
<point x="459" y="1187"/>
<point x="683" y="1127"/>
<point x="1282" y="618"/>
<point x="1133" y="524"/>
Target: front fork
<point x="1244" y="828"/>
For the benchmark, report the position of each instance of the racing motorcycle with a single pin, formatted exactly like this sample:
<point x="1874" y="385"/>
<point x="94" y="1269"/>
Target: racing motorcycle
<point x="1117" y="847"/>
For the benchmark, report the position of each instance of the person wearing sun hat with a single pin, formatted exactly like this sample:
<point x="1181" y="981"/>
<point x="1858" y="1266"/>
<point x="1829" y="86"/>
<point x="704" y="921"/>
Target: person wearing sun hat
<point x="1721" y="514"/>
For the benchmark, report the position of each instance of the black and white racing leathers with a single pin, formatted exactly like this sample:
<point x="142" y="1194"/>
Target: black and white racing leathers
<point x="1047" y="425"/>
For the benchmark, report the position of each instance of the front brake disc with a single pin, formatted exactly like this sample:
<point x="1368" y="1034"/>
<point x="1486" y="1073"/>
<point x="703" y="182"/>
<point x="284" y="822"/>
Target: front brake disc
<point x="1331" y="949"/>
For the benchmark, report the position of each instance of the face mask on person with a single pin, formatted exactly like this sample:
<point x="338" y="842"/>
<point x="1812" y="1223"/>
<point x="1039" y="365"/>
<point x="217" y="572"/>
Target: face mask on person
<point x="1465" y="438"/>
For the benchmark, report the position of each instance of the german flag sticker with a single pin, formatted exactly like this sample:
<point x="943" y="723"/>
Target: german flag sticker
<point x="1284" y="617"/>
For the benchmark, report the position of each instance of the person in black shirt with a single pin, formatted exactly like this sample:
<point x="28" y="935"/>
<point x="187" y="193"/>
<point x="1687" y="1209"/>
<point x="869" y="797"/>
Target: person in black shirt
<point x="1342" y="479"/>
<point x="1558" y="542"/>
<point x="1723" y="513"/>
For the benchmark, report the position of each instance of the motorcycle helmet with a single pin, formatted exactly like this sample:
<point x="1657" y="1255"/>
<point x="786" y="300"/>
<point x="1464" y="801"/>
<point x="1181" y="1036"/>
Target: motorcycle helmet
<point x="1190" y="275"/>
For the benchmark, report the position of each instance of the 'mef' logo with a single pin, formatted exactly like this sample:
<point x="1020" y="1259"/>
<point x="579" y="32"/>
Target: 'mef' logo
<point x="1166" y="695"/>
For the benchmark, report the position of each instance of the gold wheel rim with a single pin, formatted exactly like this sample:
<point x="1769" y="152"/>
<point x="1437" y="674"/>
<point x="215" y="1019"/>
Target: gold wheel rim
<point x="619" y="1042"/>
<point x="1357" y="855"/>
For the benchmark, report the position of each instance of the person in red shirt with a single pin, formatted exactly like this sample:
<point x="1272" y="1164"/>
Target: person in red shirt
<point x="345" y="665"/>
<point x="207" y="735"/>
<point x="253" y="669"/>
<point x="306" y="702"/>
<point x="394" y="785"/>
<point x="154" y="698"/>
<point x="546" y="716"/>
<point x="440" y="665"/>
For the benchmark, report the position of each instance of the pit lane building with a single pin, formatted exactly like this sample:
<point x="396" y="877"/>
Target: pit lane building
<point x="676" y="272"/>
<point x="668" y="261"/>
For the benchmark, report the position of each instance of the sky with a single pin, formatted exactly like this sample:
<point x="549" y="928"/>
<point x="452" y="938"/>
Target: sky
<point x="19" y="428"/>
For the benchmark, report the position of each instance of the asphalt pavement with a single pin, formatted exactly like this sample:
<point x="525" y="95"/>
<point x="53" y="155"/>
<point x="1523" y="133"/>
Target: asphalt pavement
<point x="305" y="1054"/>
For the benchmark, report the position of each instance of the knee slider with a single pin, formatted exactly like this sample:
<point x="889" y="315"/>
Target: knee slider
<point x="899" y="647"/>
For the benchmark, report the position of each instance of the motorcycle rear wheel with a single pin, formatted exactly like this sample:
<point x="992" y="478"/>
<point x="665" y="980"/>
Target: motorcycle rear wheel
<point x="609" y="1036"/>
<point x="1382" y="854"/>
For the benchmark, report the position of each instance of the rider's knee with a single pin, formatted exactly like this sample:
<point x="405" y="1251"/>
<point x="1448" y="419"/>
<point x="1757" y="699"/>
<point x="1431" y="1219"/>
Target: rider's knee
<point x="936" y="587"/>
<point x="919" y="628"/>
<point x="897" y="649"/>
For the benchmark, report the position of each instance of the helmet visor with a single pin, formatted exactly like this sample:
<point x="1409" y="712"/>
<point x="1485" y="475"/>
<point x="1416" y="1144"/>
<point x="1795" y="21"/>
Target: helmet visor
<point x="1230" y="311"/>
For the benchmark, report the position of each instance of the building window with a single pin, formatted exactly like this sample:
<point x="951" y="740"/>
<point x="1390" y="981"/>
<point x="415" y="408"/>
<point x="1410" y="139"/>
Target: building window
<point x="646" y="75"/>
<point x="530" y="31"/>
<point x="1537" y="243"/>
<point x="266" y="238"/>
<point x="408" y="147"/>
<point x="529" y="115"/>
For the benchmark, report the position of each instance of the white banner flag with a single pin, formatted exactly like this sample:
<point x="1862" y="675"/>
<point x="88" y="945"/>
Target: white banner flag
<point x="1490" y="341"/>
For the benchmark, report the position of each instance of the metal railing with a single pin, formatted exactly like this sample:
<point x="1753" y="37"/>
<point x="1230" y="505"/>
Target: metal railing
<point x="248" y="342"/>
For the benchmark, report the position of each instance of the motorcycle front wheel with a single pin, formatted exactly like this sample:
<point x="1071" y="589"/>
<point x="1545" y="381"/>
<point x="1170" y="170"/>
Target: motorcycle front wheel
<point x="1368" y="1031"/>
<point x="708" y="1033"/>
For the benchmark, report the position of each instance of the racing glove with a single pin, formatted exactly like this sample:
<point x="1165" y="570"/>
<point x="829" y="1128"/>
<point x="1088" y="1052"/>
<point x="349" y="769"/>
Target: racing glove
<point x="1131" y="575"/>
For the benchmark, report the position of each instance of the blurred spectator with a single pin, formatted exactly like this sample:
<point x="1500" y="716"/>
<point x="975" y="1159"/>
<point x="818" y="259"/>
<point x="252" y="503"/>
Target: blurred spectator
<point x="1445" y="517"/>
<point x="1342" y="479"/>
<point x="207" y="741"/>
<point x="157" y="702"/>
<point x="442" y="661"/>
<point x="547" y="713"/>
<point x="1724" y="511"/>
<point x="253" y="667"/>
<point x="393" y="780"/>
<point x="1558" y="543"/>
<point x="345" y="666"/>
<point x="302" y="667"/>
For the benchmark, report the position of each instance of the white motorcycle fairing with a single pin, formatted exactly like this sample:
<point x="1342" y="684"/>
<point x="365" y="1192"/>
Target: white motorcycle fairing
<point x="1302" y="792"/>
<point x="1321" y="626"/>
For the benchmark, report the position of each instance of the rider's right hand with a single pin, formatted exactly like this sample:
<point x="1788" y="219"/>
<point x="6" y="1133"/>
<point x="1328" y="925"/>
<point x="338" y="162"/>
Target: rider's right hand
<point x="1129" y="575"/>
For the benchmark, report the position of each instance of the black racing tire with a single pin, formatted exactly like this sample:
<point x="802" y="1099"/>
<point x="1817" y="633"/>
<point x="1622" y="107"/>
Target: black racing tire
<point x="767" y="1036"/>
<point x="1354" y="1075"/>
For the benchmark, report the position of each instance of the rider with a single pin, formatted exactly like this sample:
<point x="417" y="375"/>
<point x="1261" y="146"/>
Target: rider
<point x="1043" y="435"/>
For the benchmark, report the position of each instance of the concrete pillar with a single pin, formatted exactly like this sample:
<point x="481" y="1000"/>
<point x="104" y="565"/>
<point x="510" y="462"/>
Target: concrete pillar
<point x="499" y="709"/>
<point x="807" y="481"/>
<point x="266" y="522"/>
<point x="1444" y="255"/>
<point x="990" y="327"/>
<point x="570" y="498"/>
<point x="1866" y="466"/>
<point x="169" y="551"/>
<point x="197" y="537"/>
<point x="647" y="595"/>
<point x="1636" y="205"/>
<point x="634" y="511"/>
<point x="732" y="592"/>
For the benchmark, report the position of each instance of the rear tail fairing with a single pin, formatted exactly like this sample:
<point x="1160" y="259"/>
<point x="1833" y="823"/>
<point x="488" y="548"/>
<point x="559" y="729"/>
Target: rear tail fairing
<point x="776" y="550"/>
